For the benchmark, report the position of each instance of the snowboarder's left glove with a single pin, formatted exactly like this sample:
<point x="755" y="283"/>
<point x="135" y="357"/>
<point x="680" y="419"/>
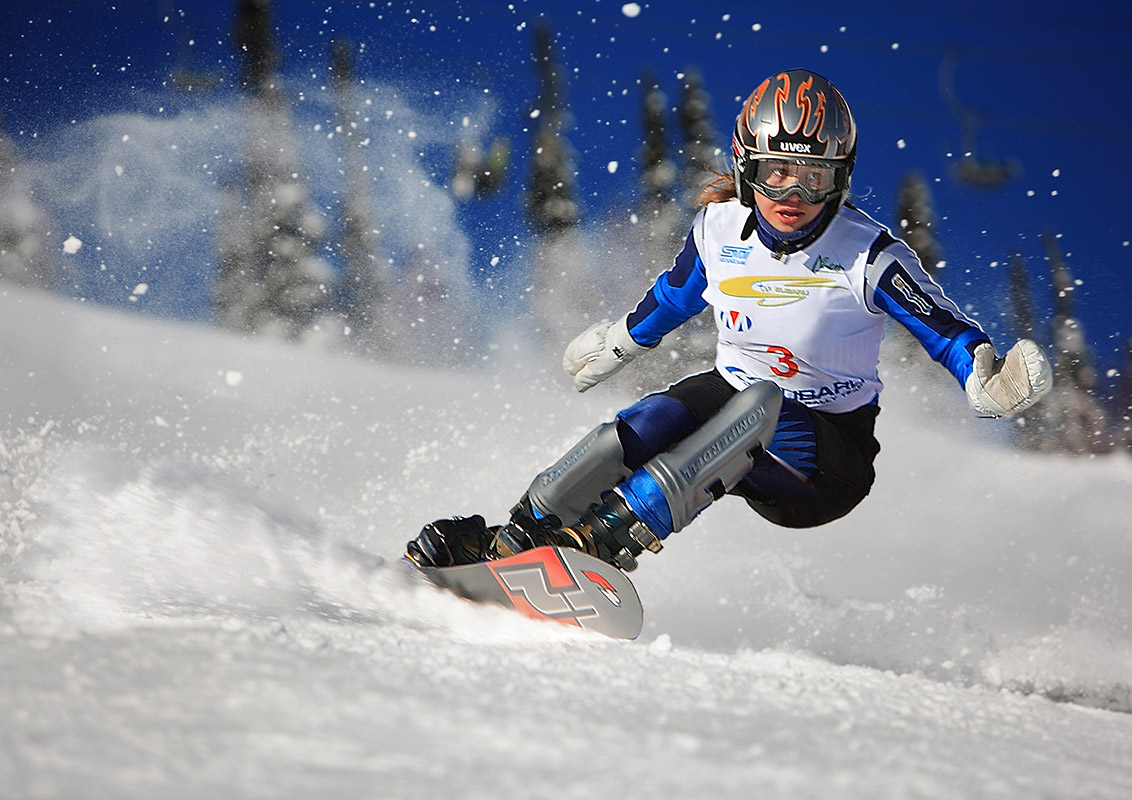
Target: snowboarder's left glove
<point x="1002" y="386"/>
<point x="599" y="353"/>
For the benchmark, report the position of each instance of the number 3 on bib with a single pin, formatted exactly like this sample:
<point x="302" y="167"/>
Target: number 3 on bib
<point x="787" y="367"/>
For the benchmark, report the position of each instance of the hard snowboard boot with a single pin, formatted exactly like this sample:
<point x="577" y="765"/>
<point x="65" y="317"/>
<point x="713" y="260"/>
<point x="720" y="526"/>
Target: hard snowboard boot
<point x="610" y="531"/>
<point x="450" y="542"/>
<point x="468" y="540"/>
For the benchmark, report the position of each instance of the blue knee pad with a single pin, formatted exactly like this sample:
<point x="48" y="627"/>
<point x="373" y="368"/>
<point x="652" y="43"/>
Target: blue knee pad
<point x="652" y="425"/>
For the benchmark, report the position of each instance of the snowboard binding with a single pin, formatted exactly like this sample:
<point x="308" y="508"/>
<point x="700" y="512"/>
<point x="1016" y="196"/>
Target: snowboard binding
<point x="610" y="532"/>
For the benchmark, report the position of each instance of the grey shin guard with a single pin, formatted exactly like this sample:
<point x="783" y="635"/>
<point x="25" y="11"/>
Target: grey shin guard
<point x="577" y="481"/>
<point x="673" y="487"/>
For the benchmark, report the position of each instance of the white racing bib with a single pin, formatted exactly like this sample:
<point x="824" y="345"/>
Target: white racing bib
<point x="802" y="320"/>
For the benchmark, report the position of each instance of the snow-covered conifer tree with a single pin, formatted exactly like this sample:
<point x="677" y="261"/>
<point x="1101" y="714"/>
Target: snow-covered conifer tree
<point x="364" y="281"/>
<point x="567" y="294"/>
<point x="26" y="256"/>
<point x="272" y="279"/>
<point x="1072" y="410"/>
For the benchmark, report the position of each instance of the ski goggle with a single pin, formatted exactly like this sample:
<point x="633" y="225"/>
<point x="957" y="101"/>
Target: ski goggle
<point x="814" y="182"/>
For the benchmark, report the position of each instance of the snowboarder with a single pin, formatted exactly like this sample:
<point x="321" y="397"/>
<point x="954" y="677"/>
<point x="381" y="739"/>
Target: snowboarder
<point x="801" y="283"/>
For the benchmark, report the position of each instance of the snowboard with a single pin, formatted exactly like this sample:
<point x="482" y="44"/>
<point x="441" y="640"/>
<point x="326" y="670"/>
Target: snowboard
<point x="552" y="583"/>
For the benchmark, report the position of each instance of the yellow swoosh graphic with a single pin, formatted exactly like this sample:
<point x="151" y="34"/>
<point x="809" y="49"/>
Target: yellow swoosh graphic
<point x="776" y="290"/>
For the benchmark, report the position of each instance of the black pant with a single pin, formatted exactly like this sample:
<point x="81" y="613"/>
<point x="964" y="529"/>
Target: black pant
<point x="837" y="468"/>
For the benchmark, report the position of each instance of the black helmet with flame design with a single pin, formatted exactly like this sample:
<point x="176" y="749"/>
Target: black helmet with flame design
<point x="799" y="117"/>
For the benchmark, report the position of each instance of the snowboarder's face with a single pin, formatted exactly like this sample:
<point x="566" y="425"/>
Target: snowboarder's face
<point x="789" y="214"/>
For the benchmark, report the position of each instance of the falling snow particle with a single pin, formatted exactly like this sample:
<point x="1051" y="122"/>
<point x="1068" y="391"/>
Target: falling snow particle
<point x="233" y="378"/>
<point x="1056" y="173"/>
<point x="896" y="45"/>
<point x="631" y="10"/>
<point x="900" y="144"/>
<point x="612" y="167"/>
<point x="72" y="245"/>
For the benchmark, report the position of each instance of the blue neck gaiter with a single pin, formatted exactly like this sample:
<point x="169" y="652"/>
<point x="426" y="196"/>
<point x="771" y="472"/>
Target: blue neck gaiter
<point x="780" y="242"/>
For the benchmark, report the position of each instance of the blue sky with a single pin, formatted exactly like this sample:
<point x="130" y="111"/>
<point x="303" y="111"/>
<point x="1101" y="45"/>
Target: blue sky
<point x="1045" y="81"/>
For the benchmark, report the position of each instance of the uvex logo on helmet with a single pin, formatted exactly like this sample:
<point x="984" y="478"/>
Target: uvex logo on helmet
<point x="792" y="148"/>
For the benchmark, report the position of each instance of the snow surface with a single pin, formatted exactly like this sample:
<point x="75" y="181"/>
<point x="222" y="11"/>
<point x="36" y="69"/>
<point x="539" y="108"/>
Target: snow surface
<point x="201" y="595"/>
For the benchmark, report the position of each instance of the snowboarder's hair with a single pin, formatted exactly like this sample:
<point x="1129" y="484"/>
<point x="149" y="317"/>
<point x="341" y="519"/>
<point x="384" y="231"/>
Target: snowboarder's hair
<point x="719" y="189"/>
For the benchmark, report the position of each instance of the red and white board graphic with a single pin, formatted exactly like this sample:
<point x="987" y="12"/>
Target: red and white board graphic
<point x="553" y="583"/>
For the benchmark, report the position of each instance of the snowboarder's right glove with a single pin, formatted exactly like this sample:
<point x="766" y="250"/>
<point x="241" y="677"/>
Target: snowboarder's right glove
<point x="599" y="353"/>
<point x="1002" y="386"/>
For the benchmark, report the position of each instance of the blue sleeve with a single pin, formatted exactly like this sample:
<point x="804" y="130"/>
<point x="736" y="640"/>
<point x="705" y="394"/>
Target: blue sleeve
<point x="907" y="293"/>
<point x="675" y="298"/>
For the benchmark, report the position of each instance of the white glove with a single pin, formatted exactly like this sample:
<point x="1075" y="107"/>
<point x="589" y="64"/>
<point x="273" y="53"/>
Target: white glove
<point x="1001" y="386"/>
<point x="600" y="352"/>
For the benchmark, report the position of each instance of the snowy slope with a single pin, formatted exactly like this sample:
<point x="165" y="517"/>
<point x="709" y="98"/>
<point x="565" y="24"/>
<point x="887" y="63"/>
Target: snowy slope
<point x="200" y="596"/>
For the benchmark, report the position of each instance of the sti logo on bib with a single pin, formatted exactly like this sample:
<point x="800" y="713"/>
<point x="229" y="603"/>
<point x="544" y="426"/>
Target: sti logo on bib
<point x="730" y="254"/>
<point x="773" y="291"/>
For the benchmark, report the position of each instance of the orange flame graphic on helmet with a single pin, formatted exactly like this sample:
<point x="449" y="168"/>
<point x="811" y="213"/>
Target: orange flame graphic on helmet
<point x="747" y="116"/>
<point x="811" y="119"/>
<point x="781" y="95"/>
<point x="753" y="103"/>
<point x="818" y="114"/>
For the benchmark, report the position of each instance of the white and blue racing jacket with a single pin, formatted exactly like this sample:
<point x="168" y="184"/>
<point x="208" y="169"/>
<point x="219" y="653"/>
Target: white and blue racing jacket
<point x="811" y="321"/>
